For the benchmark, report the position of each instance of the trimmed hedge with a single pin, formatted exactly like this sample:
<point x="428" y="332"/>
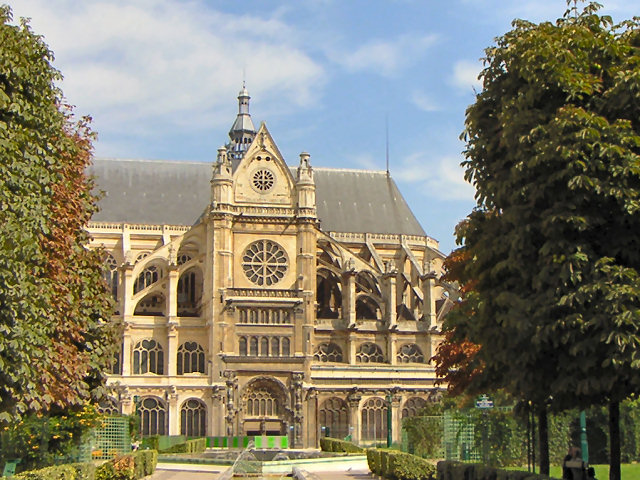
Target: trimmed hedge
<point x="328" y="444"/>
<point x="127" y="467"/>
<point x="397" y="465"/>
<point x="452" y="470"/>
<point x="197" y="445"/>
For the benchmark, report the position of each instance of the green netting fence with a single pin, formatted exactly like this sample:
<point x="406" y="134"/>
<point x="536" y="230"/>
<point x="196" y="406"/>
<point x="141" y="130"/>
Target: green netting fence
<point x="108" y="441"/>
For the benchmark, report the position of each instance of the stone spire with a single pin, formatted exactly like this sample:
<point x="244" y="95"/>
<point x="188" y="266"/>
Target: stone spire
<point x="242" y="131"/>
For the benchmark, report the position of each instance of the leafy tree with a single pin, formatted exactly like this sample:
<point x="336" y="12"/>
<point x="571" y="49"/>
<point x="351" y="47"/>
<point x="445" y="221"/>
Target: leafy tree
<point x="56" y="336"/>
<point x="553" y="144"/>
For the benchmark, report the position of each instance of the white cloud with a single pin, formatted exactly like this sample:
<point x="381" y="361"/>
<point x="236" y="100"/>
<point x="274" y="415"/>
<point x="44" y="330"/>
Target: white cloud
<point x="366" y="161"/>
<point x="424" y="102"/>
<point x="164" y="65"/>
<point x="465" y="75"/>
<point x="441" y="178"/>
<point x="385" y="57"/>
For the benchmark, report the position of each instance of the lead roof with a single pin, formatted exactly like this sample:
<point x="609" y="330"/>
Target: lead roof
<point x="160" y="192"/>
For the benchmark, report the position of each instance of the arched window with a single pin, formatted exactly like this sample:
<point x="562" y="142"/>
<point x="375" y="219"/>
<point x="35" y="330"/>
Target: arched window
<point x="369" y="353"/>
<point x="253" y="346"/>
<point x="148" y="357"/>
<point x="189" y="293"/>
<point x="261" y="402"/>
<point x="264" y="347"/>
<point x="153" y="414"/>
<point x="108" y="406"/>
<point x="412" y="406"/>
<point x="111" y="275"/>
<point x="275" y="347"/>
<point x="242" y="346"/>
<point x="147" y="277"/>
<point x="410" y="353"/>
<point x="328" y="352"/>
<point x="334" y="415"/>
<point x="286" y="347"/>
<point x="190" y="358"/>
<point x="193" y="418"/>
<point x="374" y="419"/>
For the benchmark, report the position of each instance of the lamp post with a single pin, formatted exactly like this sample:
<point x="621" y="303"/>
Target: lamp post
<point x="584" y="445"/>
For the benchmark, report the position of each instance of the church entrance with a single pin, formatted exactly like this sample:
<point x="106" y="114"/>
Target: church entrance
<point x="264" y="408"/>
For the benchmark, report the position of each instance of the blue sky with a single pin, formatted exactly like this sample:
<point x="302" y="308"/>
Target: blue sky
<point x="160" y="79"/>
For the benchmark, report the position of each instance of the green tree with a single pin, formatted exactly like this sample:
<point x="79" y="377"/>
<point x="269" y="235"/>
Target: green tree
<point x="553" y="143"/>
<point x="56" y="336"/>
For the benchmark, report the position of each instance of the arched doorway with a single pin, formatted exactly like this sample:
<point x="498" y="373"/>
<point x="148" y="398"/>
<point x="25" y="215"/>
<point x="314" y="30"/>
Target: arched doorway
<point x="265" y="407"/>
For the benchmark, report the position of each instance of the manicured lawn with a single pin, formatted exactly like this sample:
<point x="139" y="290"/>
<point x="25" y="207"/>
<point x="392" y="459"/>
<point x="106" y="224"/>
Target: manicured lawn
<point x="629" y="471"/>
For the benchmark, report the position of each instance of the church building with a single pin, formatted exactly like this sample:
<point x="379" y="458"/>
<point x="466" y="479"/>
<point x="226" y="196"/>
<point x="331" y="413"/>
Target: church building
<point x="260" y="298"/>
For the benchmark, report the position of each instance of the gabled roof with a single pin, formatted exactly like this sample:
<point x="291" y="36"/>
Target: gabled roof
<point x="176" y="193"/>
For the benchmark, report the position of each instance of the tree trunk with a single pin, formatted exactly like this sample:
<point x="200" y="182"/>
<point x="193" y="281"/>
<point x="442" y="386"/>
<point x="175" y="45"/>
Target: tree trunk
<point x="543" y="431"/>
<point x="614" y="441"/>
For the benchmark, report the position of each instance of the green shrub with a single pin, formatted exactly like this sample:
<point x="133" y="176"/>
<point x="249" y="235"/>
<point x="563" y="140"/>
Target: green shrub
<point x="196" y="445"/>
<point x="58" y="472"/>
<point x="335" y="445"/>
<point x="410" y="467"/>
<point x="152" y="442"/>
<point x="84" y="471"/>
<point x="373" y="460"/>
<point x="384" y="463"/>
<point x="145" y="462"/>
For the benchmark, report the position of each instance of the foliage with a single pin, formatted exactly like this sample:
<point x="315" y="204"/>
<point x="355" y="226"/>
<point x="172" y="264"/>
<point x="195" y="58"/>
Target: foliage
<point x="448" y="470"/>
<point x="373" y="461"/>
<point x="128" y="467"/>
<point x="196" y="445"/>
<point x="336" y="445"/>
<point x="39" y="439"/>
<point x="393" y="464"/>
<point x="55" y="340"/>
<point x="424" y="434"/>
<point x="553" y="150"/>
<point x="455" y="355"/>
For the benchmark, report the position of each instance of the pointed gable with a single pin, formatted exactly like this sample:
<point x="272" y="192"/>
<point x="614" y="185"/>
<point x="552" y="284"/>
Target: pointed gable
<point x="262" y="176"/>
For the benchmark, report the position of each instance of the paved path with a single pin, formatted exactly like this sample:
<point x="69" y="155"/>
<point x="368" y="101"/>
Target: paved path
<point x="213" y="472"/>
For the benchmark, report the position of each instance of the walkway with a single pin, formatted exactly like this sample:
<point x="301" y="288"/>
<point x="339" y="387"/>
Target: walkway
<point x="166" y="471"/>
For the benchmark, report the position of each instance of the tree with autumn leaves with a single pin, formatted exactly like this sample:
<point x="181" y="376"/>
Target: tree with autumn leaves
<point x="56" y="333"/>
<point x="550" y="256"/>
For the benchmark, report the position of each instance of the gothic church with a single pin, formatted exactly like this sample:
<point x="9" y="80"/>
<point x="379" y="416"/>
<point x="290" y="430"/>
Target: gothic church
<point x="260" y="298"/>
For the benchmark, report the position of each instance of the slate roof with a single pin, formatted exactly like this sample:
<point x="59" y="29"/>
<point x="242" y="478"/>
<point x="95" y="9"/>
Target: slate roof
<point x="176" y="193"/>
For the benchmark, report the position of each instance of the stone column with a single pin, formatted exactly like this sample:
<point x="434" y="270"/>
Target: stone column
<point x="390" y="293"/>
<point x="172" y="348"/>
<point x="231" y="383"/>
<point x="172" y="289"/>
<point x="392" y="348"/>
<point x="312" y="419"/>
<point x="349" y="294"/>
<point x="428" y="297"/>
<point x="296" y="386"/>
<point x="396" y="418"/>
<point x="126" y="350"/>
<point x="351" y="349"/>
<point x="174" y="411"/>
<point x="353" y="401"/>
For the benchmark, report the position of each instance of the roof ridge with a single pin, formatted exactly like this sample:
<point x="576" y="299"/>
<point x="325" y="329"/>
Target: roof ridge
<point x="196" y="162"/>
<point x="152" y="160"/>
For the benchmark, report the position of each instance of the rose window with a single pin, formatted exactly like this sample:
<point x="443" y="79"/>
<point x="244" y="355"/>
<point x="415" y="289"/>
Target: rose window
<point x="264" y="263"/>
<point x="263" y="180"/>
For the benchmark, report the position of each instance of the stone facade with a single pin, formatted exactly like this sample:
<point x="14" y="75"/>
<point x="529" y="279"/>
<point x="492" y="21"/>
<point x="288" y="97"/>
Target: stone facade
<point x="256" y="319"/>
